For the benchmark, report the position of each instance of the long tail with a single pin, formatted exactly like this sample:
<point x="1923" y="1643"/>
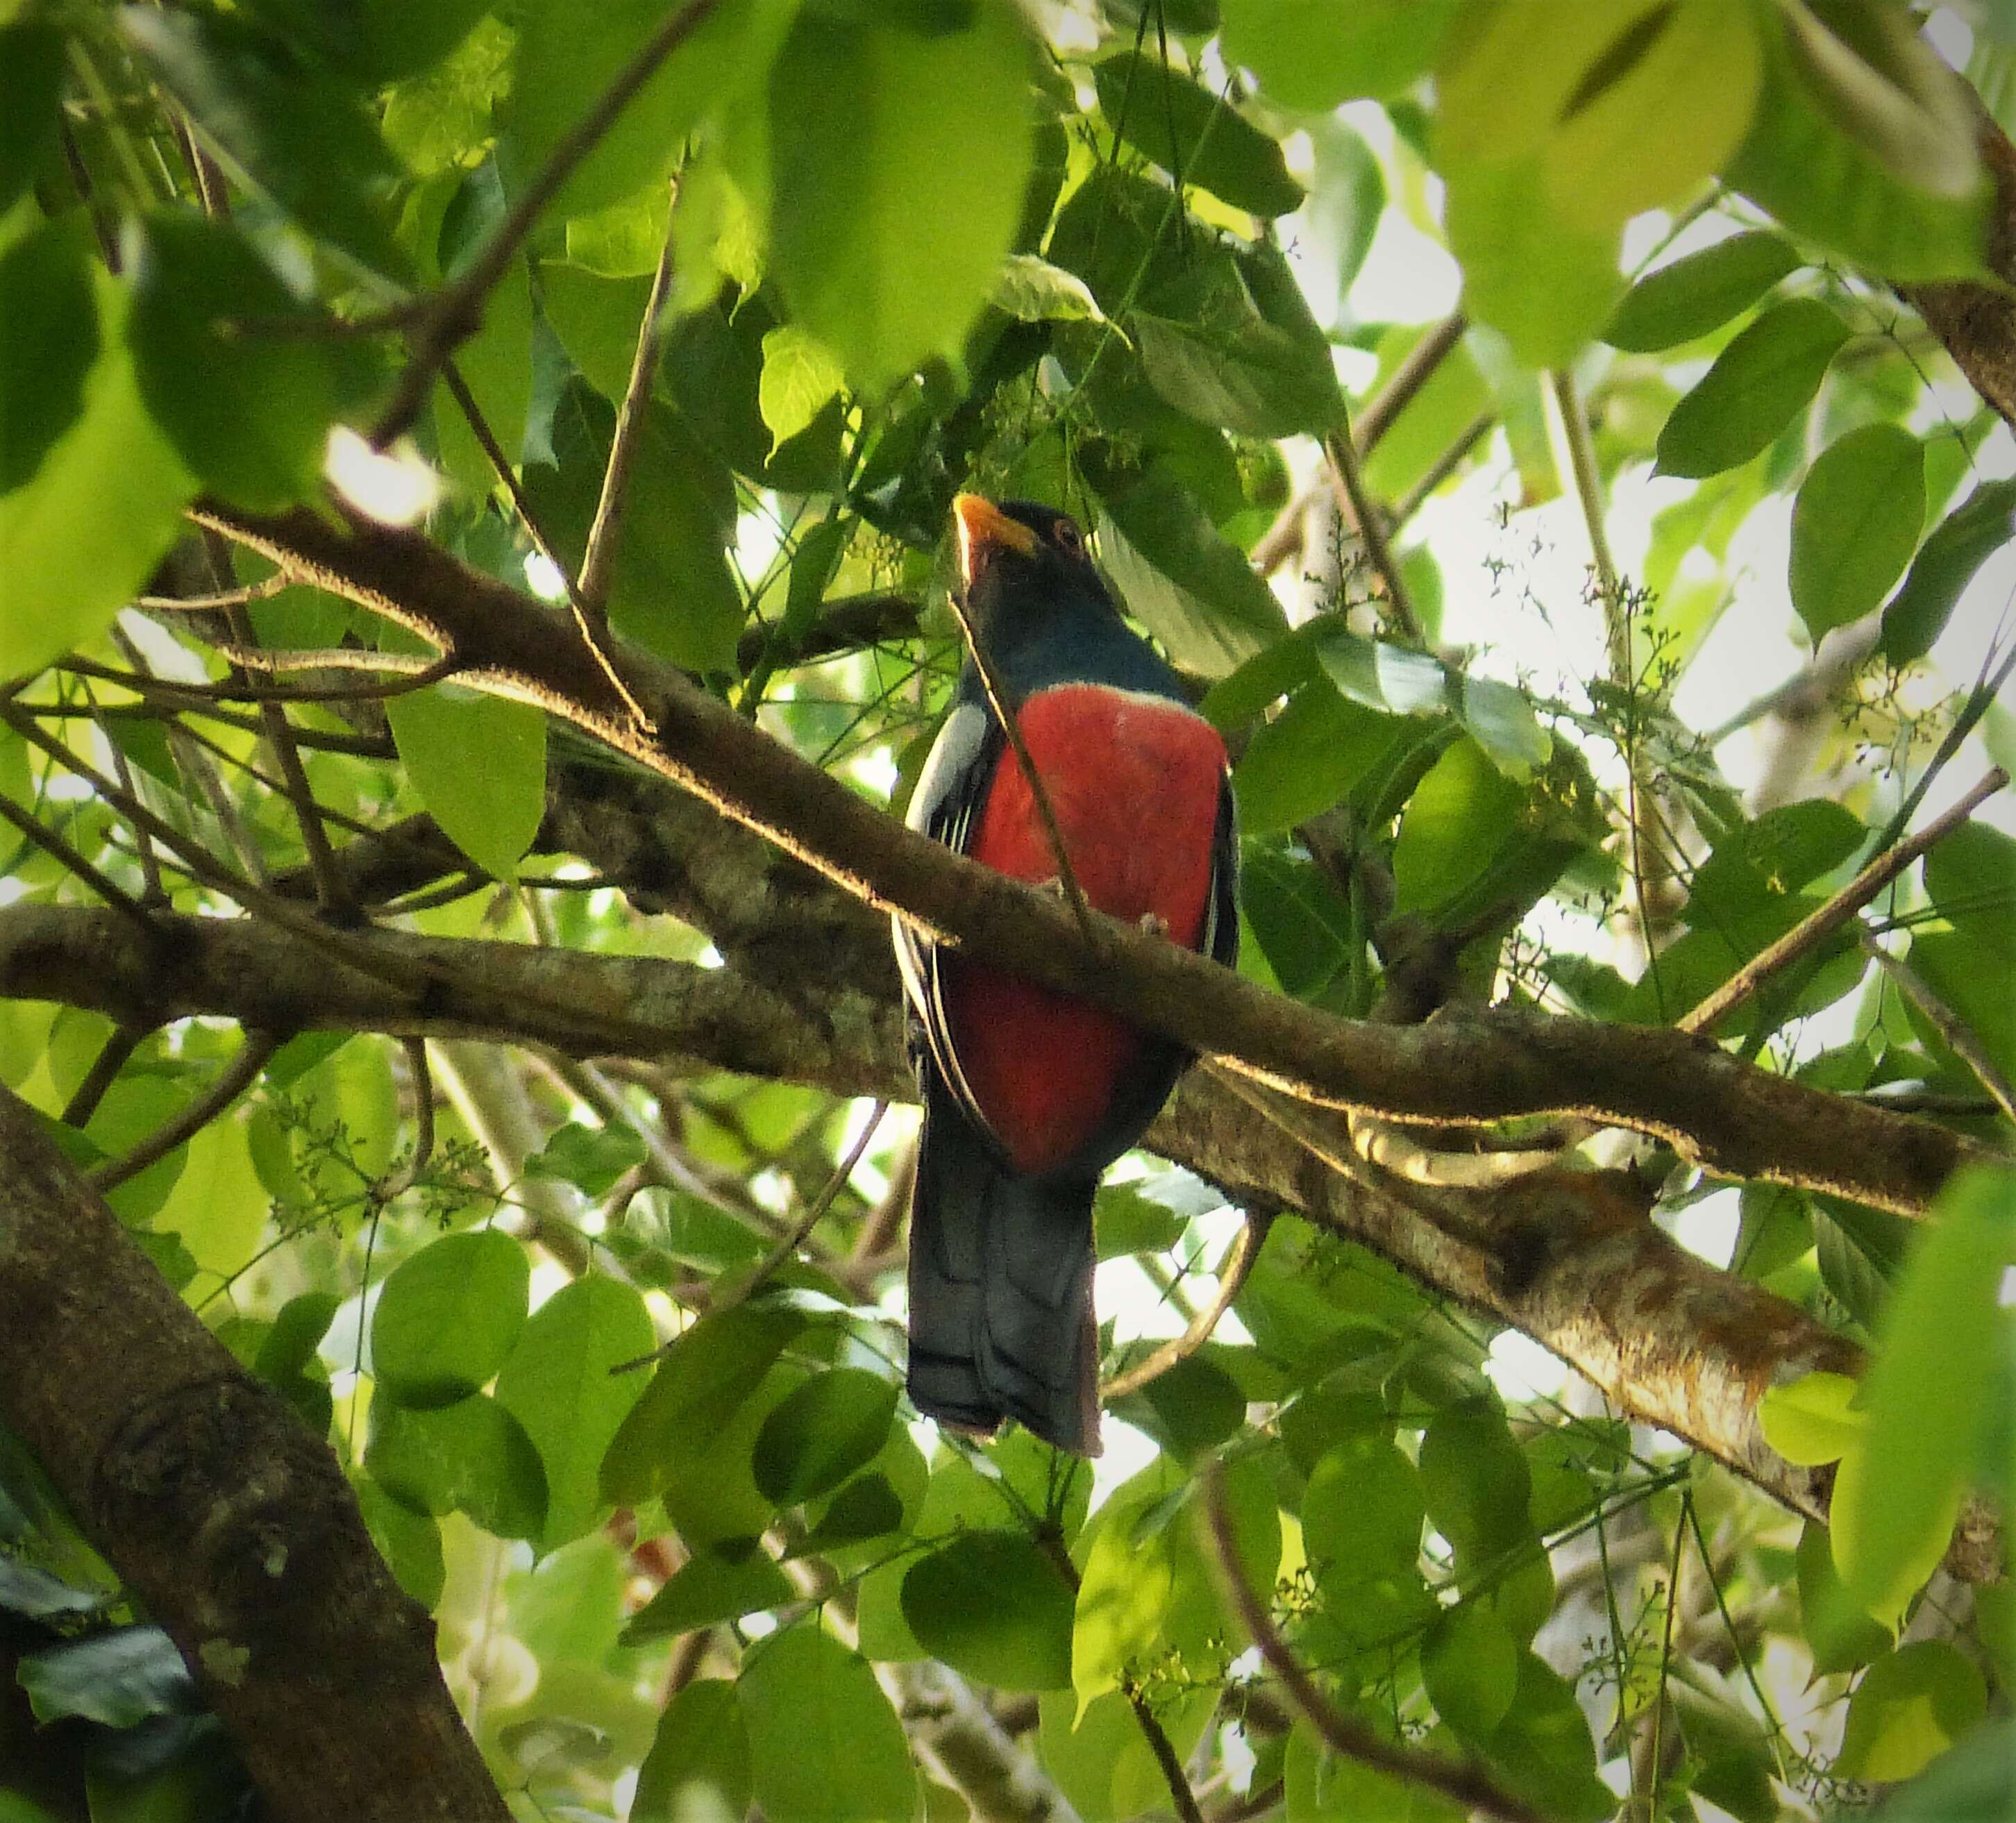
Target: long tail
<point x="1001" y="1316"/>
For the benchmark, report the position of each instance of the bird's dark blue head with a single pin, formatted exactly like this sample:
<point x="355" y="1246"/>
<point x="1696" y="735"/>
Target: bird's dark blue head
<point x="1029" y="584"/>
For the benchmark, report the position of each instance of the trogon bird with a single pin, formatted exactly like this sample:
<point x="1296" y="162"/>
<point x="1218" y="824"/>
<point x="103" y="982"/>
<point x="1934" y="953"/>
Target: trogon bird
<point x="1029" y="1094"/>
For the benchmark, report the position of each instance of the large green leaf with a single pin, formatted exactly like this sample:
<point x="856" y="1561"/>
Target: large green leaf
<point x="1865" y="143"/>
<point x="824" y="1744"/>
<point x="51" y="312"/>
<point x="479" y="764"/>
<point x="560" y="1382"/>
<point x="304" y="137"/>
<point x="1195" y="136"/>
<point x="697" y="1771"/>
<point x="1926" y="1393"/>
<point x="1757" y="385"/>
<point x="878" y="126"/>
<point x="1361" y="1513"/>
<point x="992" y="1606"/>
<point x="448" y="1317"/>
<point x="472" y="1456"/>
<point x="1311" y="54"/>
<point x="705" y="1377"/>
<point x="1700" y="293"/>
<point x="1909" y="1709"/>
<point x="827" y="1428"/>
<point x="708" y="1588"/>
<point x="249" y="413"/>
<point x="1855" y="524"/>
<point x="31" y="76"/>
<point x="1193" y="591"/>
<point x="79" y="538"/>
<point x="1964" y="540"/>
<point x="560" y="70"/>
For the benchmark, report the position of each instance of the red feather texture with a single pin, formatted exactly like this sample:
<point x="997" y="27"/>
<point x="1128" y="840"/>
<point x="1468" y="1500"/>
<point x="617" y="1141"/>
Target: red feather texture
<point x="1134" y="781"/>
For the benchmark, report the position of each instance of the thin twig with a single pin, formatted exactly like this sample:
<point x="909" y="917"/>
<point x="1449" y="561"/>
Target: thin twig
<point x="997" y="698"/>
<point x="800" y="1231"/>
<point x="1589" y="489"/>
<point x="1232" y="1275"/>
<point x="1164" y="1751"/>
<point x="1814" y="929"/>
<point x="163" y="702"/>
<point x="243" y="597"/>
<point x="395" y="1183"/>
<point x="231" y="1081"/>
<point x="1466" y="1782"/>
<point x="115" y="895"/>
<point x="1363" y="510"/>
<point x="456" y="313"/>
<point x="1441" y="469"/>
<point x="584" y="621"/>
<point x="111" y="1058"/>
<point x="1958" y="1034"/>
<point x="1422" y="361"/>
<point x="599" y="556"/>
<point x="153" y="892"/>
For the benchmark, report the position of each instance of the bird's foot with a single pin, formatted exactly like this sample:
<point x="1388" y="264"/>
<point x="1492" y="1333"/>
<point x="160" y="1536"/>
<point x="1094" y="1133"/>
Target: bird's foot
<point x="1154" y="923"/>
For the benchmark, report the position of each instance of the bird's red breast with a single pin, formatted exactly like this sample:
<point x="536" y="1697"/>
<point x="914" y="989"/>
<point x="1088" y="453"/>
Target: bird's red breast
<point x="1135" y="782"/>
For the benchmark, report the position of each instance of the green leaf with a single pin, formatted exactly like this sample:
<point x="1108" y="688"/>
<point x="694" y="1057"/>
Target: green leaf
<point x="1346" y="203"/>
<point x="1476" y="1481"/>
<point x="1311" y="55"/>
<point x="1458" y="819"/>
<point x="822" y="1432"/>
<point x="1971" y="877"/>
<point x="409" y="1541"/>
<point x="479" y="764"/>
<point x="1658" y="113"/>
<point x="249" y="413"/>
<point x="448" y="1317"/>
<point x="1547" y="284"/>
<point x="697" y="1771"/>
<point x="1757" y="384"/>
<point x="51" y="313"/>
<point x="707" y="1589"/>
<point x="706" y="1376"/>
<point x="1470" y="1664"/>
<point x="31" y="77"/>
<point x="1033" y="290"/>
<point x="1543" y="1748"/>
<point x="1361" y="1513"/>
<point x="800" y="374"/>
<point x="1927" y="1393"/>
<point x="992" y="1606"/>
<point x="1908" y="1709"/>
<point x="472" y="1456"/>
<point x="1301" y="923"/>
<point x="1197" y="136"/>
<point x="1194" y="591"/>
<point x="560" y="1382"/>
<point x="1309" y="757"/>
<point x="1700" y="293"/>
<point x="1975" y="1782"/>
<point x="864" y="1508"/>
<point x="626" y="239"/>
<point x="303" y="137"/>
<point x="79" y="538"/>
<point x="496" y="366"/>
<point x="119" y="1677"/>
<point x="1842" y="1637"/>
<point x="876" y="127"/>
<point x="560" y="70"/>
<point x="824" y="1744"/>
<point x="1965" y="539"/>
<point x="1855" y="524"/>
<point x="1813" y="1419"/>
<point x="591" y="1159"/>
<point x="1876" y="161"/>
<point x="1501" y="721"/>
<point x="1324" y="1787"/>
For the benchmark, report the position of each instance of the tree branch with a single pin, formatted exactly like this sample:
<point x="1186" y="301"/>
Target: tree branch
<point x="1568" y="1258"/>
<point x="1474" y="1068"/>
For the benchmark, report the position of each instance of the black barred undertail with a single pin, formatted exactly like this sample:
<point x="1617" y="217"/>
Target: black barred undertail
<point x="1001" y="1314"/>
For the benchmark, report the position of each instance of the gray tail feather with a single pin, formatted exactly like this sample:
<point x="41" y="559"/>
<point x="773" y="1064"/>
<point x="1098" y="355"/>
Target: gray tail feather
<point x="1001" y="1316"/>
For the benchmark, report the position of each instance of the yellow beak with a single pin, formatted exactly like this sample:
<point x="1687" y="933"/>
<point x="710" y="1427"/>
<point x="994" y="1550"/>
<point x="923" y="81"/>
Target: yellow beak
<point x="983" y="527"/>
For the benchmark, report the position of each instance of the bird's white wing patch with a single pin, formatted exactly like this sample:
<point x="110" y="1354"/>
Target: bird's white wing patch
<point x="942" y="783"/>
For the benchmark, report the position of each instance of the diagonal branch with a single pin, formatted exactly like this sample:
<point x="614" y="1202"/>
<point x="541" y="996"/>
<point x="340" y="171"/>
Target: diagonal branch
<point x="1462" y="1066"/>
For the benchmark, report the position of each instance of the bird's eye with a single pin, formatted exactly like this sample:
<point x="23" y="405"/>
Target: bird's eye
<point x="1067" y="539"/>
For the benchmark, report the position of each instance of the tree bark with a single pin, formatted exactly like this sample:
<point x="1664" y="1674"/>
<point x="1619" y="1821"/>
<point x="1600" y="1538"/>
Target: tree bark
<point x="223" y="1514"/>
